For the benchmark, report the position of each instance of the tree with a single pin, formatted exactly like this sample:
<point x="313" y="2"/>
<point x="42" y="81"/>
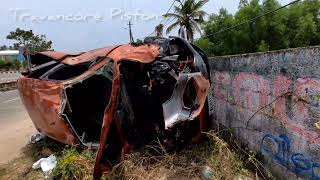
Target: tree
<point x="263" y="46"/>
<point x="187" y="18"/>
<point x="205" y="45"/>
<point x="274" y="33"/>
<point x="4" y="47"/>
<point x="294" y="26"/>
<point x="35" y="43"/>
<point x="303" y="24"/>
<point x="159" y="30"/>
<point x="307" y="30"/>
<point x="249" y="35"/>
<point x="243" y="3"/>
<point x="222" y="42"/>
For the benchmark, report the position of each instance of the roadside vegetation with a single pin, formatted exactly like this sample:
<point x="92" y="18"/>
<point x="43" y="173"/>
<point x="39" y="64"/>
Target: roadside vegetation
<point x="257" y="26"/>
<point x="34" y="42"/>
<point x="297" y="25"/>
<point x="211" y="159"/>
<point x="11" y="64"/>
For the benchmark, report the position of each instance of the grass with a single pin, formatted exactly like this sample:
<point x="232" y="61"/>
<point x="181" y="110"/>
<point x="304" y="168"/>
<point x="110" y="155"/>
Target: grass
<point x="214" y="159"/>
<point x="43" y="148"/>
<point x="73" y="164"/>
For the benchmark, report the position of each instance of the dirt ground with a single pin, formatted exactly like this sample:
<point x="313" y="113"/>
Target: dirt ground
<point x="15" y="162"/>
<point x="20" y="168"/>
<point x="13" y="137"/>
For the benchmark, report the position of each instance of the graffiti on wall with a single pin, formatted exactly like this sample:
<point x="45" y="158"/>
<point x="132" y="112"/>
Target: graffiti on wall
<point x="279" y="149"/>
<point x="253" y="92"/>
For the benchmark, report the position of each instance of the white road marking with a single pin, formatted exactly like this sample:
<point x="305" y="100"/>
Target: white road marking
<point x="14" y="99"/>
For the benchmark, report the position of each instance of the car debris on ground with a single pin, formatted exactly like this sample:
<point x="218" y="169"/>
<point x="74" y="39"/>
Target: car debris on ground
<point x="36" y="137"/>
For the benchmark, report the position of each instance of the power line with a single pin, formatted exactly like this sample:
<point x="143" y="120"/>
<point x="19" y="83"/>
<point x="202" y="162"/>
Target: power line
<point x="163" y="19"/>
<point x="169" y="9"/>
<point x="251" y="20"/>
<point x="183" y="8"/>
<point x="168" y="22"/>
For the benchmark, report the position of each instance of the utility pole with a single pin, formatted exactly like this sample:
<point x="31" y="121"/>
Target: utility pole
<point x="130" y="32"/>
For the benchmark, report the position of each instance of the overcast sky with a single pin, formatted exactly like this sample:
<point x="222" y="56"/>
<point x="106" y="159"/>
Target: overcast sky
<point x="80" y="25"/>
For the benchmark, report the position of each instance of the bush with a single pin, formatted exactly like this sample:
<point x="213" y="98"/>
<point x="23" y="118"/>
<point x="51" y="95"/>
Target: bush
<point x="74" y="165"/>
<point x="10" y="64"/>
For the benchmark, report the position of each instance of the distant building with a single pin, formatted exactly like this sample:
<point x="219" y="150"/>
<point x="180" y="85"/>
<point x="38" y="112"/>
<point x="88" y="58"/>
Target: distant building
<point x="11" y="55"/>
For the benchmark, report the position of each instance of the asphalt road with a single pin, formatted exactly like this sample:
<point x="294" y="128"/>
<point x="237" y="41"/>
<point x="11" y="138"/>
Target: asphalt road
<point x="5" y="77"/>
<point x="15" y="126"/>
<point x="11" y="107"/>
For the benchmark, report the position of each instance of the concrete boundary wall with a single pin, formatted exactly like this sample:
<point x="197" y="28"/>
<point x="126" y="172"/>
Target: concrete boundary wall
<point x="272" y="103"/>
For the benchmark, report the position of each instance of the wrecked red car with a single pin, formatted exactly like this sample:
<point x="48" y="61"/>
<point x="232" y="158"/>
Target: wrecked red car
<point x="119" y="97"/>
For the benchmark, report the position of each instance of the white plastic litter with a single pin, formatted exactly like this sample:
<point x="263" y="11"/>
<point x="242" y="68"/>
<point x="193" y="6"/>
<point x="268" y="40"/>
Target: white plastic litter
<point x="46" y="164"/>
<point x="207" y="173"/>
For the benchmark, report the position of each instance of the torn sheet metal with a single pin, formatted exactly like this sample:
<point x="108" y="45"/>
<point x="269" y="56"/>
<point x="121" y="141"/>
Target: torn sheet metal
<point x="119" y="97"/>
<point x="175" y="109"/>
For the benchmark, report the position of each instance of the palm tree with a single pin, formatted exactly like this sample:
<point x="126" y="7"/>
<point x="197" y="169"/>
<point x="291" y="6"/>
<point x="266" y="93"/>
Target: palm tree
<point x="159" y="30"/>
<point x="187" y="17"/>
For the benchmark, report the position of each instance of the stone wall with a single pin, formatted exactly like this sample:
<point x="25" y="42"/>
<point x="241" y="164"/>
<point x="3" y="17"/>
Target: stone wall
<point x="272" y="103"/>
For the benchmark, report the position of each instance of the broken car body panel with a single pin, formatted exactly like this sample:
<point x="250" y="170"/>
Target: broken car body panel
<point x="175" y="110"/>
<point x="119" y="97"/>
<point x="43" y="103"/>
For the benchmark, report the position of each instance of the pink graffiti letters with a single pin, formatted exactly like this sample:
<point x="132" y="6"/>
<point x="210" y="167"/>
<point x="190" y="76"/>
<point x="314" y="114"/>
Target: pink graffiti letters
<point x="252" y="92"/>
